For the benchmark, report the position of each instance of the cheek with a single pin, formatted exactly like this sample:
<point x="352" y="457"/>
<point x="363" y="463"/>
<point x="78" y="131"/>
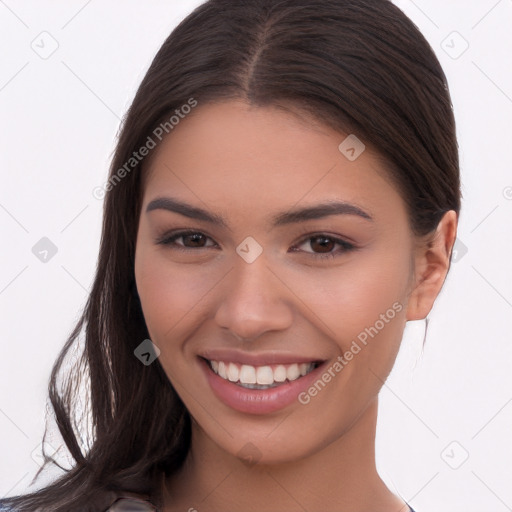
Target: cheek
<point x="172" y="295"/>
<point x="361" y="305"/>
<point x="353" y="295"/>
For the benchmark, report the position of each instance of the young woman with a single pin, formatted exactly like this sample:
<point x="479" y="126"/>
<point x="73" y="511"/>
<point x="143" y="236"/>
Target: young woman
<point x="283" y="198"/>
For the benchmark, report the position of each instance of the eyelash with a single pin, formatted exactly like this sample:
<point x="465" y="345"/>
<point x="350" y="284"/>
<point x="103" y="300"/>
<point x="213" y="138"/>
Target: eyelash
<point x="169" y="239"/>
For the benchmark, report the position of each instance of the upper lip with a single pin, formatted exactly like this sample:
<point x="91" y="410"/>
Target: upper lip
<point x="256" y="359"/>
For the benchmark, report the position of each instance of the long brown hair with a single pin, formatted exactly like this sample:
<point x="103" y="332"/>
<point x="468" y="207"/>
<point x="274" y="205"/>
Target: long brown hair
<point x="360" y="66"/>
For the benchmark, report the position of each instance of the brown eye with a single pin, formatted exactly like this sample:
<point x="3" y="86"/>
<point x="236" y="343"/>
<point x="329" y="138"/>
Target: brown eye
<point x="187" y="240"/>
<point x="194" y="240"/>
<point x="322" y="244"/>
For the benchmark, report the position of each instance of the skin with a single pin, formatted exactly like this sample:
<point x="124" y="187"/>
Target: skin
<point x="247" y="164"/>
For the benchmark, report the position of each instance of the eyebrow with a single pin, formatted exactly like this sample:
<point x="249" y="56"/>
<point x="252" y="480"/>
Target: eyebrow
<point x="290" y="217"/>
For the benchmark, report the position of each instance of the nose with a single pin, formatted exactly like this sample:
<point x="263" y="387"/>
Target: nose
<point x="254" y="301"/>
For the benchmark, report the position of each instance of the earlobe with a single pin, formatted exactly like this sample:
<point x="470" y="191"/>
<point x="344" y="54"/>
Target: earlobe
<point x="432" y="262"/>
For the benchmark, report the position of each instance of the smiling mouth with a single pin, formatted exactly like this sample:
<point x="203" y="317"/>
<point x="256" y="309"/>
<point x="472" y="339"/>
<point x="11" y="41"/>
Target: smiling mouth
<point x="261" y="377"/>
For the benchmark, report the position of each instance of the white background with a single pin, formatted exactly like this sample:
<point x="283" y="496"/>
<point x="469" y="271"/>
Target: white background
<point x="58" y="119"/>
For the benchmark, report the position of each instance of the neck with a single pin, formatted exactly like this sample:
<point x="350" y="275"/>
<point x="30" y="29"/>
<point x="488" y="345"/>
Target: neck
<point x="340" y="476"/>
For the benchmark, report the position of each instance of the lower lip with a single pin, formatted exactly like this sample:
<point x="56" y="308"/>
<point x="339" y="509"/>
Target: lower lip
<point x="258" y="401"/>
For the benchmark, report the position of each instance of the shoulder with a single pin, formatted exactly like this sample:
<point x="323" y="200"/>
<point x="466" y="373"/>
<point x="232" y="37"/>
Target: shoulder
<point x="5" y="508"/>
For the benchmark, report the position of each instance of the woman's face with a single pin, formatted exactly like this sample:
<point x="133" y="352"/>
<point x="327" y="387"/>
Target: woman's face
<point x="271" y="254"/>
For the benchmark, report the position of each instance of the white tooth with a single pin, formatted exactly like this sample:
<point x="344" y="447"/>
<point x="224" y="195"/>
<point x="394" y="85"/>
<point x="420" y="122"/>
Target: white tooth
<point x="280" y="373"/>
<point x="233" y="372"/>
<point x="292" y="373"/>
<point x="215" y="366"/>
<point x="303" y="368"/>
<point x="247" y="374"/>
<point x="222" y="370"/>
<point x="264" y="375"/>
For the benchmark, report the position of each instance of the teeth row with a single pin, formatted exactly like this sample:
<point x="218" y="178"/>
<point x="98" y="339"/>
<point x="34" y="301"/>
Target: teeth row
<point x="260" y="375"/>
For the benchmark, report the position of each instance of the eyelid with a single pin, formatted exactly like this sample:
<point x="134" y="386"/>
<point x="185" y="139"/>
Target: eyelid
<point x="345" y="244"/>
<point x="307" y="232"/>
<point x="169" y="237"/>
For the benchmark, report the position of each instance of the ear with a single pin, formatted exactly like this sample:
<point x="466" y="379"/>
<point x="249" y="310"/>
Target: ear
<point x="432" y="262"/>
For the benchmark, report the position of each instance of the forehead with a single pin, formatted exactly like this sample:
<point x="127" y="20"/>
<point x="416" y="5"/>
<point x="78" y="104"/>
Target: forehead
<point x="257" y="159"/>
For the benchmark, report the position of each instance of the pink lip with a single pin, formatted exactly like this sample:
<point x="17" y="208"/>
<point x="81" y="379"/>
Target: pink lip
<point x="260" y="359"/>
<point x="258" y="401"/>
